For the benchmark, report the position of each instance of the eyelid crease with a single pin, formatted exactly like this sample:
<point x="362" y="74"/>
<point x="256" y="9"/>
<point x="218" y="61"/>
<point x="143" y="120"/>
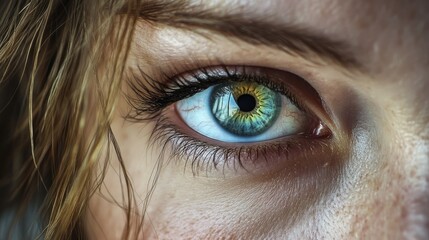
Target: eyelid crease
<point x="293" y="39"/>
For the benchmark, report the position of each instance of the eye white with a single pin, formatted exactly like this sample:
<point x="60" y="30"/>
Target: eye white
<point x="195" y="111"/>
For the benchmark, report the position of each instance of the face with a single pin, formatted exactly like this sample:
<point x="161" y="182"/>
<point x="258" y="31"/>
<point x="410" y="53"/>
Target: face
<point x="266" y="119"/>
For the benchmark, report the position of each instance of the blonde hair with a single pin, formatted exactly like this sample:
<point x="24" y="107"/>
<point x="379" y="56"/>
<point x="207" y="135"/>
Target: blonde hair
<point x="50" y="52"/>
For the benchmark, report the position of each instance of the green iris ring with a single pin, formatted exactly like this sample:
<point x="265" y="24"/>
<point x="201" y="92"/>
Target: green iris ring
<point x="223" y="102"/>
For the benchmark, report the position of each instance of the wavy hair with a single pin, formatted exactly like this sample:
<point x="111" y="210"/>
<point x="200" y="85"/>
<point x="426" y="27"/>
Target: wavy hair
<point x="50" y="55"/>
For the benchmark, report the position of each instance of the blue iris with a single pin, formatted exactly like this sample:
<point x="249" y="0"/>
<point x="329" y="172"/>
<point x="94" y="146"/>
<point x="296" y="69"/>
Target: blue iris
<point x="245" y="108"/>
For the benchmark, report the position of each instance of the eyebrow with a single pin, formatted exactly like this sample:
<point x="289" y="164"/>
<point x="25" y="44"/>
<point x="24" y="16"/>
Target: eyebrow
<point x="293" y="39"/>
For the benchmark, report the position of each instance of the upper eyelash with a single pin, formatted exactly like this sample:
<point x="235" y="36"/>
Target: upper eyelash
<point x="151" y="95"/>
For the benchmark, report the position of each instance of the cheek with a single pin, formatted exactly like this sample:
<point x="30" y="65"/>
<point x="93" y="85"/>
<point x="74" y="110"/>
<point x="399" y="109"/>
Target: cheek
<point x="186" y="206"/>
<point x="186" y="222"/>
<point x="385" y="199"/>
<point x="388" y="196"/>
<point x="106" y="216"/>
<point x="382" y="187"/>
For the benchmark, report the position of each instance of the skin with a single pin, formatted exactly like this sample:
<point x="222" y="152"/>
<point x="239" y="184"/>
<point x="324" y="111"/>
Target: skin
<point x="373" y="185"/>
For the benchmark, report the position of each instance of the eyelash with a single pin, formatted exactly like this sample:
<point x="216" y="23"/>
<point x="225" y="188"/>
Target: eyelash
<point x="152" y="96"/>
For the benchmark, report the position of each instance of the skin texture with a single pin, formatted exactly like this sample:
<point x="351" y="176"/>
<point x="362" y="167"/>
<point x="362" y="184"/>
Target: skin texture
<point x="372" y="185"/>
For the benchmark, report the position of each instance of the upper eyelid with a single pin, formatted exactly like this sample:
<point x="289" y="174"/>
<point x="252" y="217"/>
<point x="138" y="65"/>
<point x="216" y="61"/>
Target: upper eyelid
<point x="150" y="100"/>
<point x="295" y="40"/>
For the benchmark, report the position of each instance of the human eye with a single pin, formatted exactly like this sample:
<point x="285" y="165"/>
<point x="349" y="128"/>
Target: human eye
<point x="244" y="108"/>
<point x="221" y="117"/>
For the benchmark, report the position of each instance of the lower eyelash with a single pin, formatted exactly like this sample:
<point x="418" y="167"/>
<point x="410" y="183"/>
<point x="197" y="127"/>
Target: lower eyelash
<point x="203" y="156"/>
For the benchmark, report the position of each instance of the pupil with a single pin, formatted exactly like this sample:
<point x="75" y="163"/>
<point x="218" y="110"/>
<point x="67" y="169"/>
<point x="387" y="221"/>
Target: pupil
<point x="246" y="103"/>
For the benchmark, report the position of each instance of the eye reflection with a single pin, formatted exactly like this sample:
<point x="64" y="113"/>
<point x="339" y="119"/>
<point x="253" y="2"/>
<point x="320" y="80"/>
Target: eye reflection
<point x="242" y="112"/>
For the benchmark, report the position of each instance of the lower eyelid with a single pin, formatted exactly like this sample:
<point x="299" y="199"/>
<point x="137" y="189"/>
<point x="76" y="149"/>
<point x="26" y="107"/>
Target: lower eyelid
<point x="289" y="153"/>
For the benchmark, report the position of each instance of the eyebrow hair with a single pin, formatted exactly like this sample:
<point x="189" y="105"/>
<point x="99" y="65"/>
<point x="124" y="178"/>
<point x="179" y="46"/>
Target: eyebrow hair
<point x="292" y="39"/>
